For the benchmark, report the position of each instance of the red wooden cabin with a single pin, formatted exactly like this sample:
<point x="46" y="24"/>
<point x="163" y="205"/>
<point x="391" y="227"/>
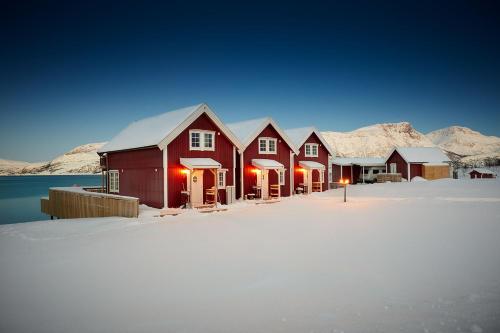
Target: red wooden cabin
<point x="174" y="158"/>
<point x="481" y="173"/>
<point x="265" y="164"/>
<point x="408" y="161"/>
<point x="311" y="163"/>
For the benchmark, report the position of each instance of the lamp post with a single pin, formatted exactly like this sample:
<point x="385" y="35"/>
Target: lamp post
<point x="344" y="183"/>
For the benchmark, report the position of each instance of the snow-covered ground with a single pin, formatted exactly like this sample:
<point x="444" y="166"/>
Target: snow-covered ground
<point x="418" y="257"/>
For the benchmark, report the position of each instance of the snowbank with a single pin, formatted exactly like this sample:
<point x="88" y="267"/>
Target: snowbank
<point x="398" y="257"/>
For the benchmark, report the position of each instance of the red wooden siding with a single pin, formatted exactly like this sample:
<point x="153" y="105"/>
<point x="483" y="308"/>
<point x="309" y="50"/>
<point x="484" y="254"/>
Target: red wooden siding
<point x="415" y="170"/>
<point x="141" y="174"/>
<point x="282" y="156"/>
<point x="322" y="158"/>
<point x="346" y="172"/>
<point x="401" y="166"/>
<point x="179" y="147"/>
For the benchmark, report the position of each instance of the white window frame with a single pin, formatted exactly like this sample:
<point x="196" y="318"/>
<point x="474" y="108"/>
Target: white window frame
<point x="267" y="151"/>
<point x="393" y="166"/>
<point x="310" y="146"/>
<point x="202" y="140"/>
<point x="281" y="177"/>
<point x="223" y="173"/>
<point x="114" y="181"/>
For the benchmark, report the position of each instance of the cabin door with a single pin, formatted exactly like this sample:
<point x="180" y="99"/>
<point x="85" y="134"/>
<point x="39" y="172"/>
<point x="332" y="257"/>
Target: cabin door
<point x="394" y="168"/>
<point x="197" y="188"/>
<point x="308" y="180"/>
<point x="263" y="183"/>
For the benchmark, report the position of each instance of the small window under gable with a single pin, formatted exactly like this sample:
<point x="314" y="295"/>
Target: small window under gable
<point x="201" y="140"/>
<point x="268" y="145"/>
<point x="311" y="150"/>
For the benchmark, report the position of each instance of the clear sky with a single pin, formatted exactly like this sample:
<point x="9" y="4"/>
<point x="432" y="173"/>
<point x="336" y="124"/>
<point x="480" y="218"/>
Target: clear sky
<point x="73" y="73"/>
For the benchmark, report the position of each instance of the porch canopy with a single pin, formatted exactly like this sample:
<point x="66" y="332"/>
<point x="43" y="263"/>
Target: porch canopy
<point x="200" y="163"/>
<point x="265" y="164"/>
<point x="311" y="165"/>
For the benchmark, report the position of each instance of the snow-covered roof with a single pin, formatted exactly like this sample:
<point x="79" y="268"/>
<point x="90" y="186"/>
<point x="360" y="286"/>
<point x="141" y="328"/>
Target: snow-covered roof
<point x="246" y="131"/>
<point x="263" y="163"/>
<point x="300" y="135"/>
<point x="200" y="163"/>
<point x="311" y="165"/>
<point x="421" y="154"/>
<point x="160" y="130"/>
<point x="483" y="171"/>
<point x="362" y="161"/>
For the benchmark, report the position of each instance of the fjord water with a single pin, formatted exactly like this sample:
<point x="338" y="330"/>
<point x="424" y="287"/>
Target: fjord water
<point x="20" y="195"/>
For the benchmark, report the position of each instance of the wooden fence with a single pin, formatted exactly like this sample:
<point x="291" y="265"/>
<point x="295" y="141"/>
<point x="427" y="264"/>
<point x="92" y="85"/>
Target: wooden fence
<point x="433" y="171"/>
<point x="76" y="202"/>
<point x="388" y="177"/>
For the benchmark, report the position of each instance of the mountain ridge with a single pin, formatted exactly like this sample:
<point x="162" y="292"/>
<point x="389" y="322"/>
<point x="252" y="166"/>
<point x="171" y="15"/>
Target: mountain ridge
<point x="464" y="146"/>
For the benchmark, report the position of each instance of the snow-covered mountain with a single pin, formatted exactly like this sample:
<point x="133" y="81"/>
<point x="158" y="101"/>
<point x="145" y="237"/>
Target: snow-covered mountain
<point x="463" y="145"/>
<point x="376" y="140"/>
<point x="464" y="141"/>
<point x="80" y="160"/>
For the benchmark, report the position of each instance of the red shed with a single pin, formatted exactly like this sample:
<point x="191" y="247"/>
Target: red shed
<point x="266" y="160"/>
<point x="481" y="173"/>
<point x="408" y="161"/>
<point x="186" y="156"/>
<point x="311" y="164"/>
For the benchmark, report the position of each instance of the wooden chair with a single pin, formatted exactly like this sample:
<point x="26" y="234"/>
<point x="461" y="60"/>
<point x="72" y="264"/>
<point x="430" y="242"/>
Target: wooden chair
<point x="210" y="196"/>
<point x="274" y="191"/>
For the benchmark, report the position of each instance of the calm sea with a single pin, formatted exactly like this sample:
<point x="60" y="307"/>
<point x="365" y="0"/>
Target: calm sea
<point x="20" y="195"/>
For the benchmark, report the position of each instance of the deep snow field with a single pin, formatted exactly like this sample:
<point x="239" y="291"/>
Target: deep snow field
<point x="418" y="257"/>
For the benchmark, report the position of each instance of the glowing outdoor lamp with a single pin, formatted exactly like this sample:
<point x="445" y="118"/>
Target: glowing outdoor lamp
<point x="185" y="171"/>
<point x="344" y="183"/>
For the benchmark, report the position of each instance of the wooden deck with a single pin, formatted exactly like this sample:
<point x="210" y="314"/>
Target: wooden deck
<point x="76" y="202"/>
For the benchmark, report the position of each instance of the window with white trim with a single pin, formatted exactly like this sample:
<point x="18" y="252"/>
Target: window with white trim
<point x="221" y="179"/>
<point x="311" y="150"/>
<point x="267" y="145"/>
<point x="201" y="140"/>
<point x="114" y="181"/>
<point x="282" y="177"/>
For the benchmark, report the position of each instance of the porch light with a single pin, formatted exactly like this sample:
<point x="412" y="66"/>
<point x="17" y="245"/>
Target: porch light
<point x="185" y="171"/>
<point x="255" y="170"/>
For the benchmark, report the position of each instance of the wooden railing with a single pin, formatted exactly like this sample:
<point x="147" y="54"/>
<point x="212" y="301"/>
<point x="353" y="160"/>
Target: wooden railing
<point x="76" y="202"/>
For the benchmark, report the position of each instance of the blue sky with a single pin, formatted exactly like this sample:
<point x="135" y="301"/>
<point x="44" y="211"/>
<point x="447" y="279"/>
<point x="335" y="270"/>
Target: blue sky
<point x="78" y="73"/>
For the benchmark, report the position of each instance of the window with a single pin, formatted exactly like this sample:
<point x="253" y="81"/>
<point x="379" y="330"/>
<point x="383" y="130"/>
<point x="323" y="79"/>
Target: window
<point x="282" y="177"/>
<point x="366" y="171"/>
<point x="208" y="140"/>
<point x="394" y="168"/>
<point x="375" y="171"/>
<point x="267" y="146"/>
<point x="114" y="181"/>
<point x="311" y="150"/>
<point x="201" y="140"/>
<point x="221" y="179"/>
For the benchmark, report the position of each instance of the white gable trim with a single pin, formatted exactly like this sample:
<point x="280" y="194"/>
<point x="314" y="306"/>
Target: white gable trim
<point x="203" y="108"/>
<point x="320" y="137"/>
<point x="265" y="123"/>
